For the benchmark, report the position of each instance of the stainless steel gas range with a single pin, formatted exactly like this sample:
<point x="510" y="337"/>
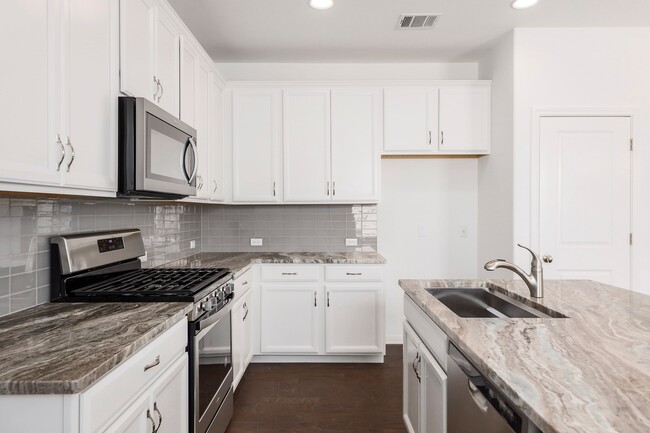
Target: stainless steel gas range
<point x="105" y="267"/>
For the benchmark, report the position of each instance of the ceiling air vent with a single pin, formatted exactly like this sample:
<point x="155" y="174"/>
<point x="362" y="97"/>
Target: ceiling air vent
<point x="417" y="21"/>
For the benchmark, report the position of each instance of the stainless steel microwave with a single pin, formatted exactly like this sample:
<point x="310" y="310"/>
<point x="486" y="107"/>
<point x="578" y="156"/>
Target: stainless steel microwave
<point x="158" y="155"/>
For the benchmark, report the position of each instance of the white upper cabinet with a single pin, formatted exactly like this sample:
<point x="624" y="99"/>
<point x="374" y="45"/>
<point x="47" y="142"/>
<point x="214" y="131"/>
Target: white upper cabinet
<point x="149" y="54"/>
<point x="203" y="137"/>
<point x="167" y="62"/>
<point x="306" y="145"/>
<point x="90" y="98"/>
<point x="356" y="145"/>
<point x="137" y="48"/>
<point x="410" y="119"/>
<point x="256" y="139"/>
<point x="30" y="149"/>
<point x="217" y="185"/>
<point x="465" y="119"/>
<point x="189" y="62"/>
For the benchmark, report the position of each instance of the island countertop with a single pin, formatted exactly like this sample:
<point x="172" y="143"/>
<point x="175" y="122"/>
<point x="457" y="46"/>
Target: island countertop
<point x="64" y="348"/>
<point x="588" y="373"/>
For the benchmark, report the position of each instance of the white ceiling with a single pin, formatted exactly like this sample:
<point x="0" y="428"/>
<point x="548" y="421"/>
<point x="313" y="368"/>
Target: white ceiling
<point x="365" y="30"/>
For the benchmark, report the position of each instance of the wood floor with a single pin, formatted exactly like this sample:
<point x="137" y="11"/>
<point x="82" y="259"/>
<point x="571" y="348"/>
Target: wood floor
<point x="333" y="398"/>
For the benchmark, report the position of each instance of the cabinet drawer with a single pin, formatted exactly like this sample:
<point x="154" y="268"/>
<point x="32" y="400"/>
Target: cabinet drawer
<point x="432" y="336"/>
<point x="109" y="397"/>
<point x="343" y="273"/>
<point x="243" y="283"/>
<point x="297" y="273"/>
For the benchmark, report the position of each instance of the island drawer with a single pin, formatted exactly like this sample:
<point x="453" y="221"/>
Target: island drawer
<point x="346" y="273"/>
<point x="289" y="273"/>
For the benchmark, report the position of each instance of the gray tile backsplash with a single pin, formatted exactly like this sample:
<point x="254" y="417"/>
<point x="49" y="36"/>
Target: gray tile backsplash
<point x="26" y="224"/>
<point x="318" y="228"/>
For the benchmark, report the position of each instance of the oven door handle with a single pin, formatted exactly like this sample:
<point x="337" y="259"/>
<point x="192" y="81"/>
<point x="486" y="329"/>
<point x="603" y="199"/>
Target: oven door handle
<point x="205" y="322"/>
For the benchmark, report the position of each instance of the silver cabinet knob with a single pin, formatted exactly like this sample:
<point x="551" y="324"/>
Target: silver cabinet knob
<point x="72" y="153"/>
<point x="547" y="258"/>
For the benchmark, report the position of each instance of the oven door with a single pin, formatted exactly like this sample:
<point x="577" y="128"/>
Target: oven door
<point x="211" y="370"/>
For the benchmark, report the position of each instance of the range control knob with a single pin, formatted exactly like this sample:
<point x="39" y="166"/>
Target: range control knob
<point x="221" y="295"/>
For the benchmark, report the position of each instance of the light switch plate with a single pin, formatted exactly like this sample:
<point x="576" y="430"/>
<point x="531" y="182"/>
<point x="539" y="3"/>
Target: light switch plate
<point x="256" y="242"/>
<point x="192" y="244"/>
<point x="351" y="242"/>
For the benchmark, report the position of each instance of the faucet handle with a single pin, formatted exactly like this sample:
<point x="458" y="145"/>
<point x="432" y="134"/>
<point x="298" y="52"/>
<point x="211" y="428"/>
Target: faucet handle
<point x="535" y="262"/>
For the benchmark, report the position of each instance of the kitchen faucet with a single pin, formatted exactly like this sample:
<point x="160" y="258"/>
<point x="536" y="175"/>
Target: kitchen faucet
<point x="534" y="280"/>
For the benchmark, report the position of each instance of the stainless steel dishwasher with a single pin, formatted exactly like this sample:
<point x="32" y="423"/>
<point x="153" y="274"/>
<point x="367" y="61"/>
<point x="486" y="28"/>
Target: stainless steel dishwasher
<point x="474" y="405"/>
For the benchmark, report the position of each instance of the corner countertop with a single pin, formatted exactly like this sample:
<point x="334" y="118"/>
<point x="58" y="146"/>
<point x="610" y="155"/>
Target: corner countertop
<point x="589" y="373"/>
<point x="63" y="348"/>
<point x="238" y="263"/>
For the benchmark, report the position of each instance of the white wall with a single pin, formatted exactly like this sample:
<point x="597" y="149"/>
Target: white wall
<point x="495" y="172"/>
<point x="585" y="68"/>
<point x="424" y="205"/>
<point x="347" y="71"/>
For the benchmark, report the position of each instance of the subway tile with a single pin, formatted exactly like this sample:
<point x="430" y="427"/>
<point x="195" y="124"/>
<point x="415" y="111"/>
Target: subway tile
<point x="22" y="282"/>
<point x="4" y="286"/>
<point x="5" y="305"/>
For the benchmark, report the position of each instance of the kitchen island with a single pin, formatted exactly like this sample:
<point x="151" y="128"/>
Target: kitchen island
<point x="587" y="373"/>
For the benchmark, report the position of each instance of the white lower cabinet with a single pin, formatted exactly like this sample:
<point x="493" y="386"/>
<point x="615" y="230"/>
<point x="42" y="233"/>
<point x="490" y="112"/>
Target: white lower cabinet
<point x="322" y="310"/>
<point x="425" y="380"/>
<point x="242" y="327"/>
<point x="135" y="419"/>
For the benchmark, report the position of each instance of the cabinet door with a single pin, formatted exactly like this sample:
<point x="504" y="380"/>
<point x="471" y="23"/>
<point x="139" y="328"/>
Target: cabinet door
<point x="247" y="346"/>
<point x="290" y="315"/>
<point x="353" y="318"/>
<point x="465" y="119"/>
<point x="91" y="94"/>
<point x="217" y="186"/>
<point x="256" y="137"/>
<point x="410" y="119"/>
<point x="237" y="317"/>
<point x="356" y="145"/>
<point x="306" y="145"/>
<point x="411" y="377"/>
<point x="203" y="138"/>
<point x="170" y="396"/>
<point x="433" y="394"/>
<point x="29" y="149"/>
<point x="167" y="62"/>
<point x="137" y="19"/>
<point x="136" y="419"/>
<point x="189" y="61"/>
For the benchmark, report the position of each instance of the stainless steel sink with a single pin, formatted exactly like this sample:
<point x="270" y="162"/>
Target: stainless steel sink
<point x="466" y="302"/>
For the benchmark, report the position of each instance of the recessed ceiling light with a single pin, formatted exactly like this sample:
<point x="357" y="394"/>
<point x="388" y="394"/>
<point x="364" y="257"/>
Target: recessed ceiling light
<point x="321" y="4"/>
<point x="523" y="4"/>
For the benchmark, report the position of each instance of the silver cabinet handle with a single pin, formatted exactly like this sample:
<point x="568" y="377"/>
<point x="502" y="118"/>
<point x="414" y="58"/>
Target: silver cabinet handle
<point x="328" y="187"/>
<point x="328" y="299"/>
<point x="442" y="137"/>
<point x="429" y="137"/>
<point x="162" y="90"/>
<point x="153" y="423"/>
<point x="69" y="143"/>
<point x="315" y="301"/>
<point x="60" y="143"/>
<point x="160" y="418"/>
<point x="215" y="185"/>
<point x="157" y="83"/>
<point x="246" y="312"/>
<point x="290" y="273"/>
<point x="333" y="188"/>
<point x="353" y="273"/>
<point x="199" y="185"/>
<point x="244" y="283"/>
<point x="415" y="364"/>
<point x="153" y="364"/>
<point x="273" y="189"/>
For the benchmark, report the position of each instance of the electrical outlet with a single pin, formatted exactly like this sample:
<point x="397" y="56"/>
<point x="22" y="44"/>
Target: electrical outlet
<point x="192" y="244"/>
<point x="143" y="258"/>
<point x="351" y="242"/>
<point x="256" y="242"/>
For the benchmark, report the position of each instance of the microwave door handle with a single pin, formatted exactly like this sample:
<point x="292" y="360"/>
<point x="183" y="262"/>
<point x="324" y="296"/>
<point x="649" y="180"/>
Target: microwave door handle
<point x="184" y="164"/>
<point x="196" y="160"/>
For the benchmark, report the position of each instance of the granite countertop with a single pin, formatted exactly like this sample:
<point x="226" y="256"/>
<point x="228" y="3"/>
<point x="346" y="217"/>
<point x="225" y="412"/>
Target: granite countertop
<point x="587" y="373"/>
<point x="63" y="348"/>
<point x="239" y="263"/>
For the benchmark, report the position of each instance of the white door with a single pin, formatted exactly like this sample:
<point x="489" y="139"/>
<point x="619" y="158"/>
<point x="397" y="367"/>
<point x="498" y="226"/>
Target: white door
<point x="29" y="111"/>
<point x="170" y="396"/>
<point x="356" y="145"/>
<point x="189" y="61"/>
<point x="137" y="418"/>
<point x="433" y="393"/>
<point x="411" y="378"/>
<point x="167" y="63"/>
<point x="137" y="21"/>
<point x="585" y="198"/>
<point x="353" y="318"/>
<point x="256" y="138"/>
<point x="203" y="139"/>
<point x="306" y="145"/>
<point x="91" y="94"/>
<point x="216" y="123"/>
<point x="464" y="119"/>
<point x="410" y="119"/>
<point x="290" y="315"/>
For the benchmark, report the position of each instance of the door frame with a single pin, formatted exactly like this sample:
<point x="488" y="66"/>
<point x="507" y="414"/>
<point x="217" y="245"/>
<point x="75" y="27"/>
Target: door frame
<point x="535" y="158"/>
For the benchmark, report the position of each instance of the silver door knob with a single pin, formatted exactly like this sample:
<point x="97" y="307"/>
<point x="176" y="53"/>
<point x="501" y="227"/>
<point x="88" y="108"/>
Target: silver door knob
<point x="547" y="259"/>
